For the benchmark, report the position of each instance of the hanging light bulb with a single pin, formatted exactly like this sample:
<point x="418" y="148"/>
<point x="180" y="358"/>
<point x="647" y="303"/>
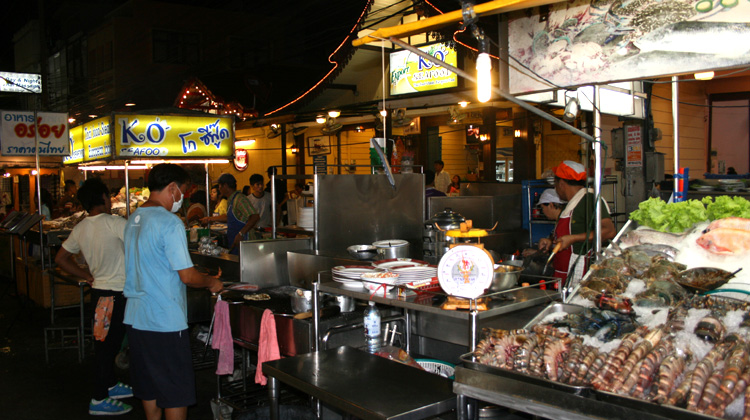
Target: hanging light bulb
<point x="572" y="107"/>
<point x="334" y="113"/>
<point x="320" y="119"/>
<point x="383" y="112"/>
<point x="484" y="77"/>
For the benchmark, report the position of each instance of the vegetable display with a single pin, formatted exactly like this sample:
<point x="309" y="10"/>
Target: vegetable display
<point x="678" y="217"/>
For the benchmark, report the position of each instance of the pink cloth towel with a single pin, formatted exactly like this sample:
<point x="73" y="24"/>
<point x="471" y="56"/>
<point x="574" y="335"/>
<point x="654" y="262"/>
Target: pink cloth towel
<point x="222" y="339"/>
<point x="268" y="345"/>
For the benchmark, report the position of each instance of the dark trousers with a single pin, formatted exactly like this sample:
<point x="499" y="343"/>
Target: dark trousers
<point x="106" y="351"/>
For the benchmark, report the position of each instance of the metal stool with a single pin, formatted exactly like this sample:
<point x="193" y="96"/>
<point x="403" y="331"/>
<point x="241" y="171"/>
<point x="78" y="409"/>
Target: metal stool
<point x="63" y="335"/>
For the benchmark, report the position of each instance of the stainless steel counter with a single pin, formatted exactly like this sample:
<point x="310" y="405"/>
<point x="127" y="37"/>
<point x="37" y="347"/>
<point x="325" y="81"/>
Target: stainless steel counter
<point x="362" y="384"/>
<point x="554" y="403"/>
<point x="445" y="334"/>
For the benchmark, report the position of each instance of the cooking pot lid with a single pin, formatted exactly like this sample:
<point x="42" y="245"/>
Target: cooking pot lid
<point x="388" y="243"/>
<point x="447" y="217"/>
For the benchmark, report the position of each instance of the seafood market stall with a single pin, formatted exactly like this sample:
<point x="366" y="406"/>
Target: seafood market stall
<point x="659" y="328"/>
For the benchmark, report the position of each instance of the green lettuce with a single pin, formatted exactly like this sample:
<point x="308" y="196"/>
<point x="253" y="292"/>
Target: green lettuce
<point x="726" y="206"/>
<point x="669" y="217"/>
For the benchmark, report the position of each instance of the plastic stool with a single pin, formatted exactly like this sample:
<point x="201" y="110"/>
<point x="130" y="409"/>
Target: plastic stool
<point x="61" y="337"/>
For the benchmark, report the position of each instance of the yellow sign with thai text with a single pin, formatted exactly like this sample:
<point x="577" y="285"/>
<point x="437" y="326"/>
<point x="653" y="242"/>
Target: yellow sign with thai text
<point x="411" y="73"/>
<point x="75" y="137"/>
<point x="166" y="136"/>
<point x="97" y="140"/>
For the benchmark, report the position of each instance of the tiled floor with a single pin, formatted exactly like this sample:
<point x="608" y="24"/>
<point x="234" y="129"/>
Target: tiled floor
<point x="31" y="389"/>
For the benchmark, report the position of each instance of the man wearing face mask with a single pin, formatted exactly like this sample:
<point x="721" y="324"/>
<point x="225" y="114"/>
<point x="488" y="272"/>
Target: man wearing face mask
<point x="157" y="269"/>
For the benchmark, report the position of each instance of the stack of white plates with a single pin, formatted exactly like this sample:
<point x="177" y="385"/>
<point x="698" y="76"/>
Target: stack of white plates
<point x="410" y="274"/>
<point x="349" y="275"/>
<point x="732" y="184"/>
<point x="305" y="218"/>
<point x="398" y="262"/>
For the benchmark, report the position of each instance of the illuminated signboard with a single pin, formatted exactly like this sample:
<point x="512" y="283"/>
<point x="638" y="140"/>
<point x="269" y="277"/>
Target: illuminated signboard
<point x="20" y="133"/>
<point x="75" y="138"/>
<point x="97" y="141"/>
<point x="165" y="136"/>
<point x="411" y="73"/>
<point x="20" y="82"/>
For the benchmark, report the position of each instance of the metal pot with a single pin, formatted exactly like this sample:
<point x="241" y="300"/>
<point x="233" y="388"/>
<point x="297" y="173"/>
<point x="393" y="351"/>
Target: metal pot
<point x="392" y="248"/>
<point x="505" y="277"/>
<point x="435" y="241"/>
<point x="301" y="301"/>
<point x="346" y="303"/>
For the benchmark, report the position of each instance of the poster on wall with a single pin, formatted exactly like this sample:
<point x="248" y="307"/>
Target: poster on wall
<point x="633" y="146"/>
<point x="19" y="133"/>
<point x="583" y="42"/>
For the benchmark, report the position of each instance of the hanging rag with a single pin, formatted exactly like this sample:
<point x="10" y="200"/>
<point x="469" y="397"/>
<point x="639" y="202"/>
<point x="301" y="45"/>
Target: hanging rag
<point x="222" y="339"/>
<point x="103" y="317"/>
<point x="268" y="345"/>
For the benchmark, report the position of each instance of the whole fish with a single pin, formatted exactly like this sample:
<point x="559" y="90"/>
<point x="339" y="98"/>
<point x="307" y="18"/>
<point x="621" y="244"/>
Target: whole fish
<point x="725" y="241"/>
<point x="729" y="222"/>
<point x="650" y="236"/>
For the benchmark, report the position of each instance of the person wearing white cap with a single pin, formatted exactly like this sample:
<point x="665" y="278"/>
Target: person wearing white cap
<point x="574" y="231"/>
<point x="550" y="204"/>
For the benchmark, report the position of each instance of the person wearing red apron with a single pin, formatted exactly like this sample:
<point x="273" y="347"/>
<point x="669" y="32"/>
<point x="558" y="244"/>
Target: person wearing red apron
<point x="575" y="222"/>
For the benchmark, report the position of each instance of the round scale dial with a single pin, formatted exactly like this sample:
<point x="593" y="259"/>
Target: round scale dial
<point x="465" y="271"/>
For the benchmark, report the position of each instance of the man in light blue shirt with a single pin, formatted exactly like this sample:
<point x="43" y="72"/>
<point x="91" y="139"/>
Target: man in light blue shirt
<point x="158" y="267"/>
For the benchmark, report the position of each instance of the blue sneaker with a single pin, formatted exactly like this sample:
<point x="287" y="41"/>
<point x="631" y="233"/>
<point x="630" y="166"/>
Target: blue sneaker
<point x="120" y="391"/>
<point x="108" y="407"/>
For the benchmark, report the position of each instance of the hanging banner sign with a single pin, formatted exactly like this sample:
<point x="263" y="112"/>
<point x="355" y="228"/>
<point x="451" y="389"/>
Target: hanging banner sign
<point x="634" y="146"/>
<point x="165" y="136"/>
<point x="18" y="133"/>
<point x="75" y="138"/>
<point x="411" y="73"/>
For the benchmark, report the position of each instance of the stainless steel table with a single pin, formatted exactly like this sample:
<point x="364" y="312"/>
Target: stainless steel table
<point x="362" y="384"/>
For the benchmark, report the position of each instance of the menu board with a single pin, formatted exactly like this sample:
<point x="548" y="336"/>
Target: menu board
<point x="168" y="136"/>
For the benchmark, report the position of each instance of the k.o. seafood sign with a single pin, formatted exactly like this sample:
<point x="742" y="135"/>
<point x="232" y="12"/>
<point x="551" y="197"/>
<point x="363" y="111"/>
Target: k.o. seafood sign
<point x="21" y="134"/>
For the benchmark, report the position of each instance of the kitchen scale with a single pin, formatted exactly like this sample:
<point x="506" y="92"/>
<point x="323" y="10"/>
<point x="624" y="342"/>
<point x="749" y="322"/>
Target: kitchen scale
<point x="466" y="270"/>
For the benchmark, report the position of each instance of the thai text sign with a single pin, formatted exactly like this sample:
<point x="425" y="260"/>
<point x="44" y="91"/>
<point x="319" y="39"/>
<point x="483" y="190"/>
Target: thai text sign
<point x="164" y="136"/>
<point x="19" y="133"/>
<point x="97" y="140"/>
<point x="20" y="82"/>
<point x="75" y="139"/>
<point x="411" y="73"/>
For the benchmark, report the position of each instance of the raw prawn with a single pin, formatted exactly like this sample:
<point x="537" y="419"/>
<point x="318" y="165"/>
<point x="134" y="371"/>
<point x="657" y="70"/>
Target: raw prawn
<point x="717" y="406"/>
<point x="678" y="397"/>
<point x="712" y="387"/>
<point x="725" y="241"/>
<point x="651" y="365"/>
<point x="643" y="348"/>
<point x="586" y="362"/>
<point x="553" y="355"/>
<point x="736" y="363"/>
<point x="668" y="373"/>
<point x="702" y="371"/>
<point x="523" y="355"/>
<point x="574" y="356"/>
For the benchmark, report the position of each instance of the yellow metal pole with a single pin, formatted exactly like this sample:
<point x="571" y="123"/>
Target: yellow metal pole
<point x="437" y="22"/>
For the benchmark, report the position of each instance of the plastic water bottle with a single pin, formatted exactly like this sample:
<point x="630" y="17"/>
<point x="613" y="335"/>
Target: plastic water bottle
<point x="372" y="328"/>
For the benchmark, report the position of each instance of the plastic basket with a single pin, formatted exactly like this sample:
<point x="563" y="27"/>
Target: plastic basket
<point x="438" y="367"/>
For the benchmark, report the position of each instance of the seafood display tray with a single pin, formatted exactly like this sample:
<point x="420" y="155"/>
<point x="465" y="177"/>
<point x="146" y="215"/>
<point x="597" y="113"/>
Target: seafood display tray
<point x="554" y="308"/>
<point x="469" y="361"/>
<point x="641" y="405"/>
